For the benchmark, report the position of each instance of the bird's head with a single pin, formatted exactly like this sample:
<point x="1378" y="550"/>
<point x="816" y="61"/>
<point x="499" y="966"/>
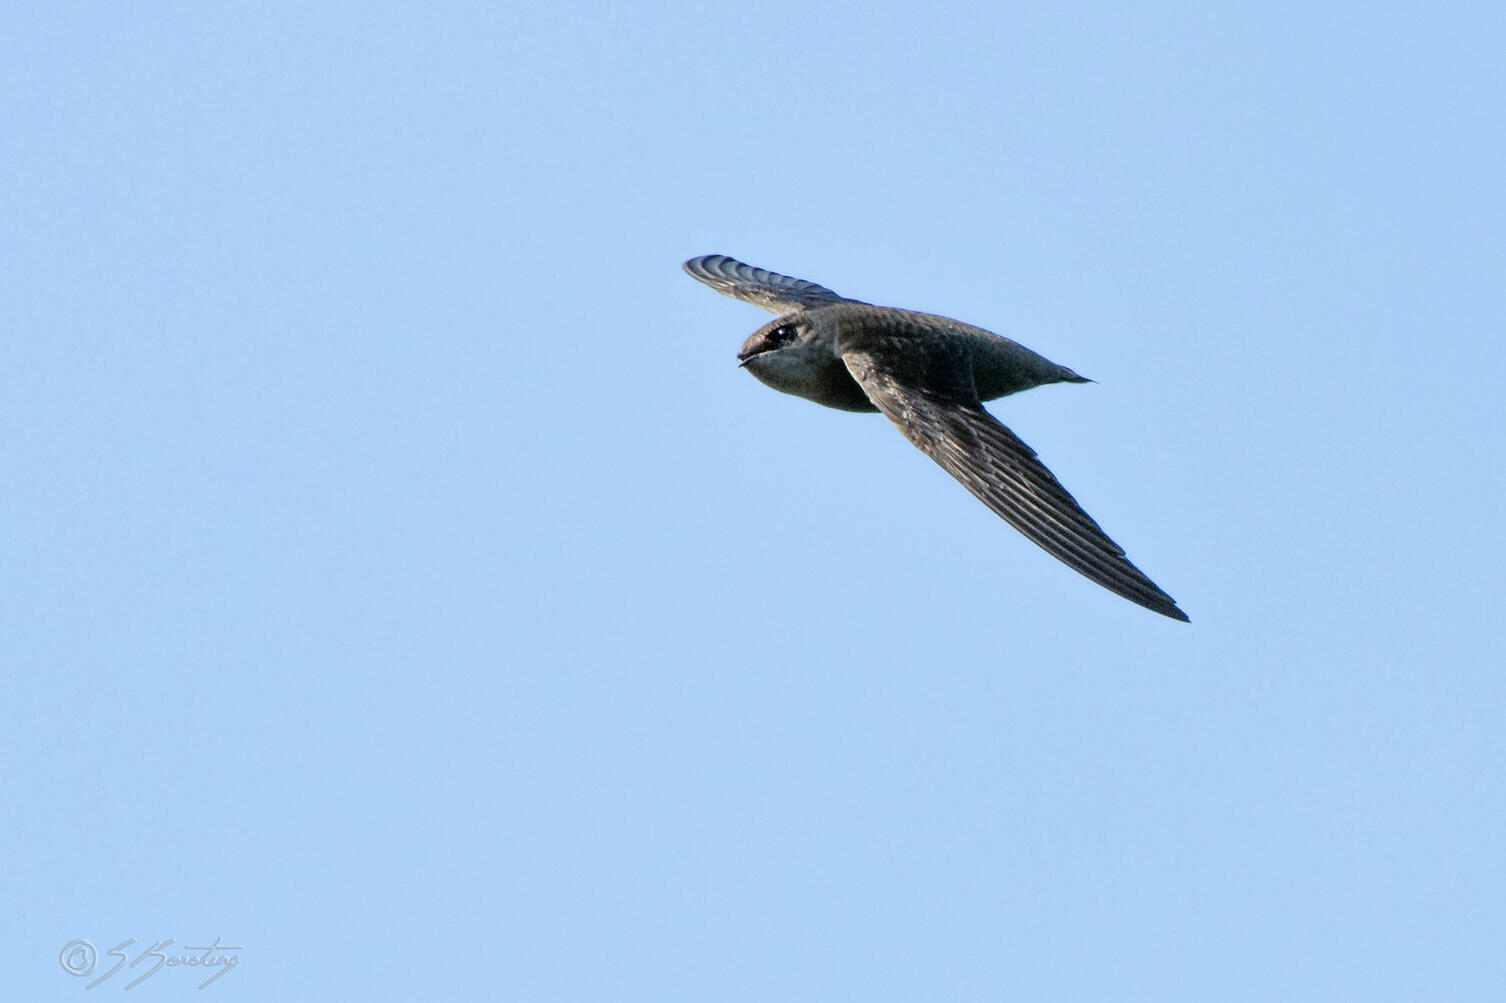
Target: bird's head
<point x="775" y="336"/>
<point x="797" y="354"/>
<point x="788" y="355"/>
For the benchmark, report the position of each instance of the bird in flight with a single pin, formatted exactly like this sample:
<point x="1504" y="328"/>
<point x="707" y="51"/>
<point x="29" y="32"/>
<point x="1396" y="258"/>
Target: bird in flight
<point x="930" y="376"/>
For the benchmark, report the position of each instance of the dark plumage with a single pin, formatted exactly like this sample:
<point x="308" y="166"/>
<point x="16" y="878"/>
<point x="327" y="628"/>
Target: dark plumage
<point x="929" y="375"/>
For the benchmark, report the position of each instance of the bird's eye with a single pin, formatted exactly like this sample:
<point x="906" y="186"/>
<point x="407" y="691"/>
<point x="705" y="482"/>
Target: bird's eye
<point x="782" y="335"/>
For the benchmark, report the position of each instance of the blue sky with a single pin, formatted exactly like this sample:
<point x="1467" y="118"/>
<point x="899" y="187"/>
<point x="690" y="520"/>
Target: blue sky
<point x="405" y="586"/>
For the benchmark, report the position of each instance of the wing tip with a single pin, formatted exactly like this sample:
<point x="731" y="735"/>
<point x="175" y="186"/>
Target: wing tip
<point x="709" y="264"/>
<point x="1154" y="600"/>
<point x="1147" y="594"/>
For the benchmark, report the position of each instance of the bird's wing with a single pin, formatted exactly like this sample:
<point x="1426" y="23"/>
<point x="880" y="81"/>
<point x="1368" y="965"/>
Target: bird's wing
<point x="928" y="393"/>
<point x="774" y="292"/>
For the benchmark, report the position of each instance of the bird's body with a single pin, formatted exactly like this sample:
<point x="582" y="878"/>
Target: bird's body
<point x="999" y="366"/>
<point x="929" y="375"/>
